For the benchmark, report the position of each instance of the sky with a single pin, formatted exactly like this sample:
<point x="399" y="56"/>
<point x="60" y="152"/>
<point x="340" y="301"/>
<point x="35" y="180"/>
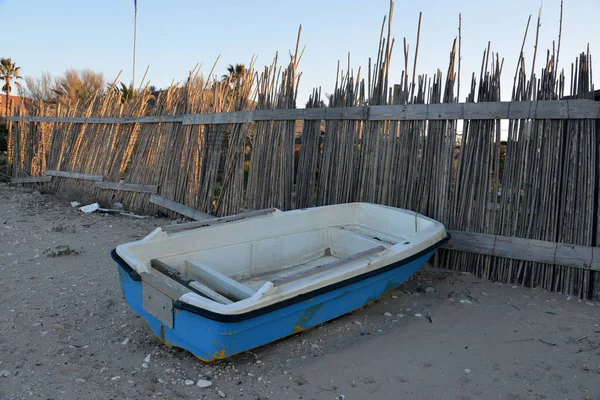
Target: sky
<point x="173" y="36"/>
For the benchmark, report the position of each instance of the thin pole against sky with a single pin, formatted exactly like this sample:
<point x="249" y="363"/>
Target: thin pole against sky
<point x="134" y="34"/>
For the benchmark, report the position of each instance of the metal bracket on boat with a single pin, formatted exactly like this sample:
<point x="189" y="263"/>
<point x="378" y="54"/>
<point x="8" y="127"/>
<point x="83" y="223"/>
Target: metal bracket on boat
<point x="157" y="304"/>
<point x="173" y="228"/>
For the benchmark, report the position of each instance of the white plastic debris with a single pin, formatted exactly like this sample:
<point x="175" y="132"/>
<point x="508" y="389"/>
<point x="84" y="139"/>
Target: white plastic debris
<point x="90" y="208"/>
<point x="465" y="301"/>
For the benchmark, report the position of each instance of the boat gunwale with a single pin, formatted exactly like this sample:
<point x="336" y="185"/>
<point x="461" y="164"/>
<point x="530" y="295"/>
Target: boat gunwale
<point x="231" y="318"/>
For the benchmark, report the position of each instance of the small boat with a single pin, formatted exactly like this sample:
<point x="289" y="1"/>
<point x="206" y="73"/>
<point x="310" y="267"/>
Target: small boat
<point x="220" y="287"/>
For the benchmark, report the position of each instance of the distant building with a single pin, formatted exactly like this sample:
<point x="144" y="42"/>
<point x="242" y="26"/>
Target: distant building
<point x="14" y="102"/>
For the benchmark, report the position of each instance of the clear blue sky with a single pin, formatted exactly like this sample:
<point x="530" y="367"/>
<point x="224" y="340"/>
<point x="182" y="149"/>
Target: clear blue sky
<point x="172" y="36"/>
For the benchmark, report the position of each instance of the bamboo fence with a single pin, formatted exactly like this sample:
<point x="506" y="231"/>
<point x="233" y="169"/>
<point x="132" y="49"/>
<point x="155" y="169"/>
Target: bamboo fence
<point x="541" y="182"/>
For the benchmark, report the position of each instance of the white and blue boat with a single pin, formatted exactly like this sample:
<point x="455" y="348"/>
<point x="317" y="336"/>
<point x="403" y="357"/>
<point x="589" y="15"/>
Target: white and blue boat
<point x="224" y="286"/>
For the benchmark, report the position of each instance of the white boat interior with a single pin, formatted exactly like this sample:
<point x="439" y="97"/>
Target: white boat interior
<point x="237" y="266"/>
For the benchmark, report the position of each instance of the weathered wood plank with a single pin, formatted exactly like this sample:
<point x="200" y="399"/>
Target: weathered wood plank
<point x="214" y="221"/>
<point x="525" y="249"/>
<point x="128" y="187"/>
<point x="189" y="283"/>
<point x="328" y="266"/>
<point x="31" y="179"/>
<point x="179" y="208"/>
<point x="219" y="282"/>
<point x="546" y="109"/>
<point x="74" y="175"/>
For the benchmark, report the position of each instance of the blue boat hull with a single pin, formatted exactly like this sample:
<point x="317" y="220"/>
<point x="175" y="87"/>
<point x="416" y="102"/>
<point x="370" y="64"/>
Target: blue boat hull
<point x="211" y="338"/>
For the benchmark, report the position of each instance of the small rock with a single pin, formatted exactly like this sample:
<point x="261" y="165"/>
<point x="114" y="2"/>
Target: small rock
<point x="315" y="346"/>
<point x="4" y="373"/>
<point x="36" y="193"/>
<point x="117" y="206"/>
<point x="147" y="359"/>
<point x="188" y="382"/>
<point x="418" y="315"/>
<point x="203" y="383"/>
<point x="144" y="365"/>
<point x="57" y="326"/>
<point x="341" y="397"/>
<point x="103" y="370"/>
<point x="124" y="342"/>
<point x="467" y="371"/>
<point x="387" y="314"/>
<point x="400" y="315"/>
<point x="484" y="294"/>
<point x="353" y="383"/>
<point x="463" y="301"/>
<point x="75" y="204"/>
<point x="394" y="297"/>
<point x="115" y="378"/>
<point x="221" y="394"/>
<point x="429" y="289"/>
<point x="80" y="380"/>
<point x="35" y="324"/>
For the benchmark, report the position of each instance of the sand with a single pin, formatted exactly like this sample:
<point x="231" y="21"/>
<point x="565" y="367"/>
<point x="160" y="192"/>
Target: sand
<point x="66" y="332"/>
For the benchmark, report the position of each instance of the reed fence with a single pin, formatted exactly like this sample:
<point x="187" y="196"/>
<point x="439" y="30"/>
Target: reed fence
<point x="522" y="209"/>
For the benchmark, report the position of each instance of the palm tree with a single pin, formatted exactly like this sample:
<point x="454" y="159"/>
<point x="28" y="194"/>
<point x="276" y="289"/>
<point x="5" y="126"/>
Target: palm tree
<point x="9" y="72"/>
<point x="235" y="74"/>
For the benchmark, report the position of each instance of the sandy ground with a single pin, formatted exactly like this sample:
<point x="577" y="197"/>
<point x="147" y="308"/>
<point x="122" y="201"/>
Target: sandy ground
<point x="66" y="333"/>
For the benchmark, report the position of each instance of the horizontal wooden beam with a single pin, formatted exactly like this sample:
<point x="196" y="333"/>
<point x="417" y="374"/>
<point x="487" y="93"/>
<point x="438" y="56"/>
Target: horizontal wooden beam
<point x="541" y="251"/>
<point x="543" y="109"/>
<point x="174" y="228"/>
<point x="74" y="175"/>
<point x="180" y="208"/>
<point x="31" y="179"/>
<point x="128" y="187"/>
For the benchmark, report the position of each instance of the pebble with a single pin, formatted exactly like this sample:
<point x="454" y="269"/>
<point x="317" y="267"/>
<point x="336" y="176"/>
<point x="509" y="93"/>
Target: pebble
<point x="124" y="342"/>
<point x="463" y="301"/>
<point x="221" y="394"/>
<point x="57" y="326"/>
<point x="103" y="370"/>
<point x="188" y="382"/>
<point x="315" y="346"/>
<point x="394" y="297"/>
<point x="80" y="380"/>
<point x="387" y="314"/>
<point x="114" y="378"/>
<point x="467" y="371"/>
<point x="353" y="383"/>
<point x="36" y="324"/>
<point x="400" y="315"/>
<point x="147" y="359"/>
<point x="341" y="397"/>
<point x="4" y="373"/>
<point x="484" y="294"/>
<point x="144" y="365"/>
<point x="203" y="383"/>
<point x="418" y="315"/>
<point x="429" y="289"/>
